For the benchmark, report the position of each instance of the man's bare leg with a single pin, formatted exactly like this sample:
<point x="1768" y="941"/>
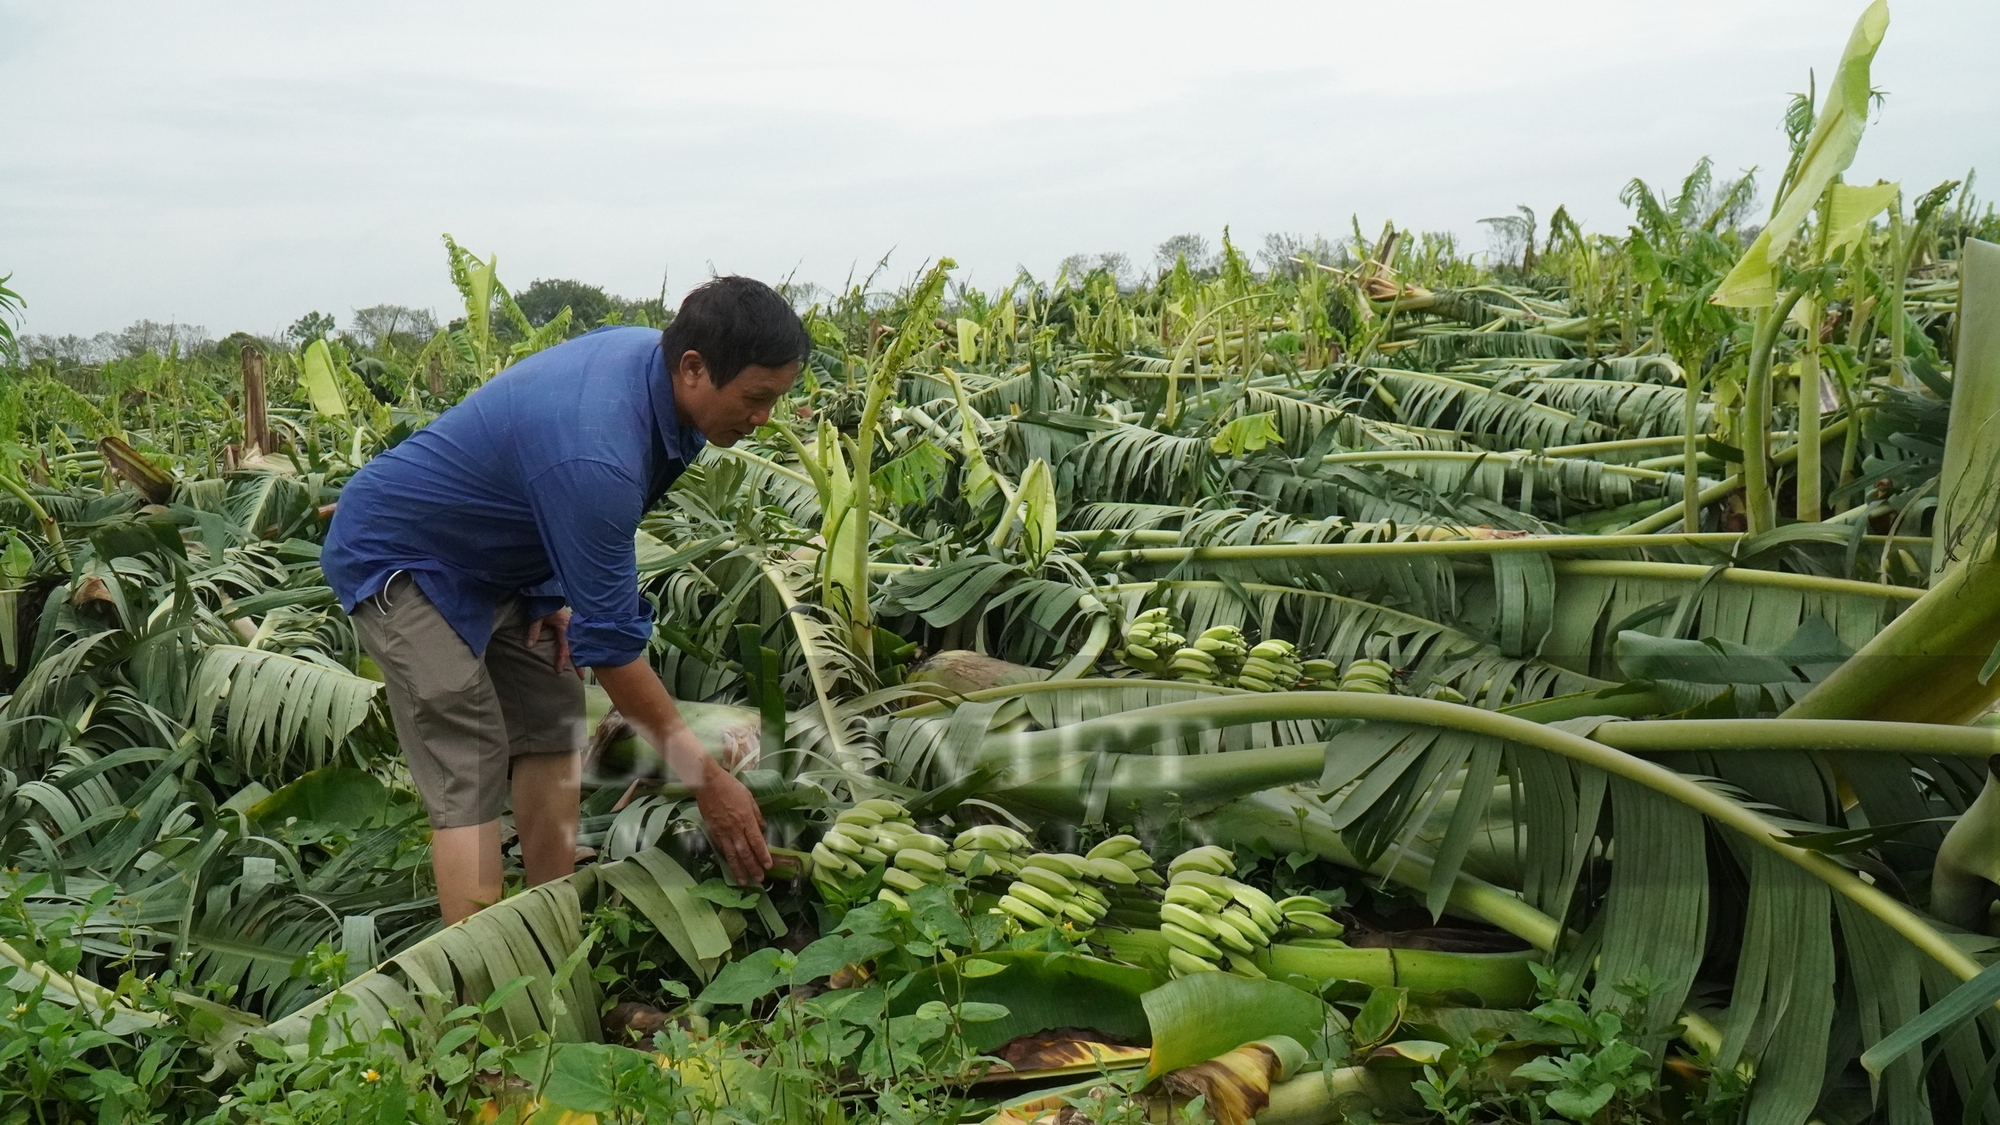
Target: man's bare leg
<point x="546" y="787"/>
<point x="467" y="863"/>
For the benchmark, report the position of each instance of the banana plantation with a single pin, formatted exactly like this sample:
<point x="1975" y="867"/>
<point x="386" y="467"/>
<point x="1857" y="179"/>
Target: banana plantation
<point x="1384" y="685"/>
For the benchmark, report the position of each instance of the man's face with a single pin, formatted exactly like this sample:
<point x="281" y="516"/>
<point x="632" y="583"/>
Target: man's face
<point x="725" y="415"/>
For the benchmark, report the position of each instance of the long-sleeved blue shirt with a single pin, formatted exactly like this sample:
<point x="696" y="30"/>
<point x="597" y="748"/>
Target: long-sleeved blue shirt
<point x="532" y="485"/>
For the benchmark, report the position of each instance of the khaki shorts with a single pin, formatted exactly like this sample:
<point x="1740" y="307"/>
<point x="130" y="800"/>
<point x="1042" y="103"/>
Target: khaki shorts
<point x="463" y="719"/>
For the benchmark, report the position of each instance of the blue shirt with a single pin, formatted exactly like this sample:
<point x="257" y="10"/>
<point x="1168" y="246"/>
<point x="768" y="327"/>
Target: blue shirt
<point x="534" y="484"/>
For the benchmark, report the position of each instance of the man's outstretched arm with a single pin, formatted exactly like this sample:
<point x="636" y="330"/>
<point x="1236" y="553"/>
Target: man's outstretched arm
<point x="728" y="812"/>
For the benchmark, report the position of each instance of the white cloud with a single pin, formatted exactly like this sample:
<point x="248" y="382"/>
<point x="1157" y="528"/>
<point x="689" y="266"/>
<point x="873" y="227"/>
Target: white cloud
<point x="235" y="164"/>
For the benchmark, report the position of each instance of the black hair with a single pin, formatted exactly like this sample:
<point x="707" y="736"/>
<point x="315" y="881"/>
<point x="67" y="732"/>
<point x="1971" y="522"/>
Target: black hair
<point x="734" y="323"/>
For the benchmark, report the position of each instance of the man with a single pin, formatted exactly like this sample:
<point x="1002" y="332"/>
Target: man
<point x="488" y="558"/>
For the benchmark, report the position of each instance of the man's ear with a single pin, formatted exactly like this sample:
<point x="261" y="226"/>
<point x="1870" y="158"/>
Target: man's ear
<point x="690" y="365"/>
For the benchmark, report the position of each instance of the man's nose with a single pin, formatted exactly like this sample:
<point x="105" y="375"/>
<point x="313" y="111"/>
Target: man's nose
<point x="761" y="416"/>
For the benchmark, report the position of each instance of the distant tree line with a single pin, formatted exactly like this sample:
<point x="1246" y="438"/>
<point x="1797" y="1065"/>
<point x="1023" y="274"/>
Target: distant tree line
<point x="374" y="328"/>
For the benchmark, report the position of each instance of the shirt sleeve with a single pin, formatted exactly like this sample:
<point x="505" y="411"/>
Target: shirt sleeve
<point x="587" y="512"/>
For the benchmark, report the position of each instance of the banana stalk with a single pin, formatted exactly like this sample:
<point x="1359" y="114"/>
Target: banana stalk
<point x="1967" y="871"/>
<point x="854" y="564"/>
<point x="1929" y="665"/>
<point x="1148" y="726"/>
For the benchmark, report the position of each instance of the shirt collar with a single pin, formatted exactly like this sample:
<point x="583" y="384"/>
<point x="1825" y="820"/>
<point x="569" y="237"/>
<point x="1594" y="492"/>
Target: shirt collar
<point x="682" y="442"/>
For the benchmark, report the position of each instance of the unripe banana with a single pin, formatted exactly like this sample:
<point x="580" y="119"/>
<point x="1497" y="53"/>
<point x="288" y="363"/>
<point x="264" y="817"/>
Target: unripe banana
<point x="1141" y="652"/>
<point x="870" y="856"/>
<point x="1112" y="871"/>
<point x="1048" y="881"/>
<point x="1187" y="964"/>
<point x="1187" y="939"/>
<point x="923" y="841"/>
<point x="1245" y="967"/>
<point x="920" y="862"/>
<point x="862" y="833"/>
<point x="883" y="808"/>
<point x="1062" y="863"/>
<point x="1207" y="880"/>
<point x="1035" y="897"/>
<point x="1368" y="675"/>
<point x="1297" y="903"/>
<point x="1113" y="847"/>
<point x="825" y="858"/>
<point x="884" y="894"/>
<point x="1248" y="928"/>
<point x="1023" y="912"/>
<point x="1080" y="912"/>
<point x="1318" y="925"/>
<point x="1149" y="877"/>
<point x="841" y="842"/>
<point x="1230" y="937"/>
<point x="892" y="830"/>
<point x="990" y="838"/>
<point x="1259" y="904"/>
<point x="1186" y="919"/>
<point x="866" y="818"/>
<point x="1209" y="858"/>
<point x="902" y="880"/>
<point x="1192" y="897"/>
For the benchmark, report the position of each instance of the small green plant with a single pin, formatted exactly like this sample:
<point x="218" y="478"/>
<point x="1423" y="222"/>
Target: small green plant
<point x="1604" y="1070"/>
<point x="1594" y="1073"/>
<point x="71" y="1051"/>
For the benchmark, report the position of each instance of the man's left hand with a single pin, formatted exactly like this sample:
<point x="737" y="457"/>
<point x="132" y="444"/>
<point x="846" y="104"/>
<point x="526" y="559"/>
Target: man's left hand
<point x="557" y="623"/>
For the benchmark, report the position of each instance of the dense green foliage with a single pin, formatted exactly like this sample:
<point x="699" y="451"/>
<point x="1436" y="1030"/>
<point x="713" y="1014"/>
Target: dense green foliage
<point x="1429" y="586"/>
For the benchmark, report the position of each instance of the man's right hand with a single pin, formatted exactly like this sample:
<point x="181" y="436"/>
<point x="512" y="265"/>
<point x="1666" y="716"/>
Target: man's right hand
<point x="729" y="814"/>
<point x="734" y="823"/>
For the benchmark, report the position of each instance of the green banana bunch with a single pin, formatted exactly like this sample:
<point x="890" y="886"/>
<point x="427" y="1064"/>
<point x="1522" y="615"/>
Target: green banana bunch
<point x="987" y="850"/>
<point x="1151" y="640"/>
<point x="1054" y="889"/>
<point x="1319" y="674"/>
<point x="1270" y="666"/>
<point x="872" y="833"/>
<point x="1060" y="888"/>
<point x="1213" y="658"/>
<point x="1122" y="860"/>
<point x="1213" y="922"/>
<point x="1365" y="674"/>
<point x="1307" y="916"/>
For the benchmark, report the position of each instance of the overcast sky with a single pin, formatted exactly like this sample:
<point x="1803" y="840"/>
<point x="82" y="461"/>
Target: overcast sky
<point x="235" y="165"/>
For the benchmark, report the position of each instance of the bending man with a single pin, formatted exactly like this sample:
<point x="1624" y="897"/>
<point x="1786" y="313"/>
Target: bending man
<point x="489" y="557"/>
